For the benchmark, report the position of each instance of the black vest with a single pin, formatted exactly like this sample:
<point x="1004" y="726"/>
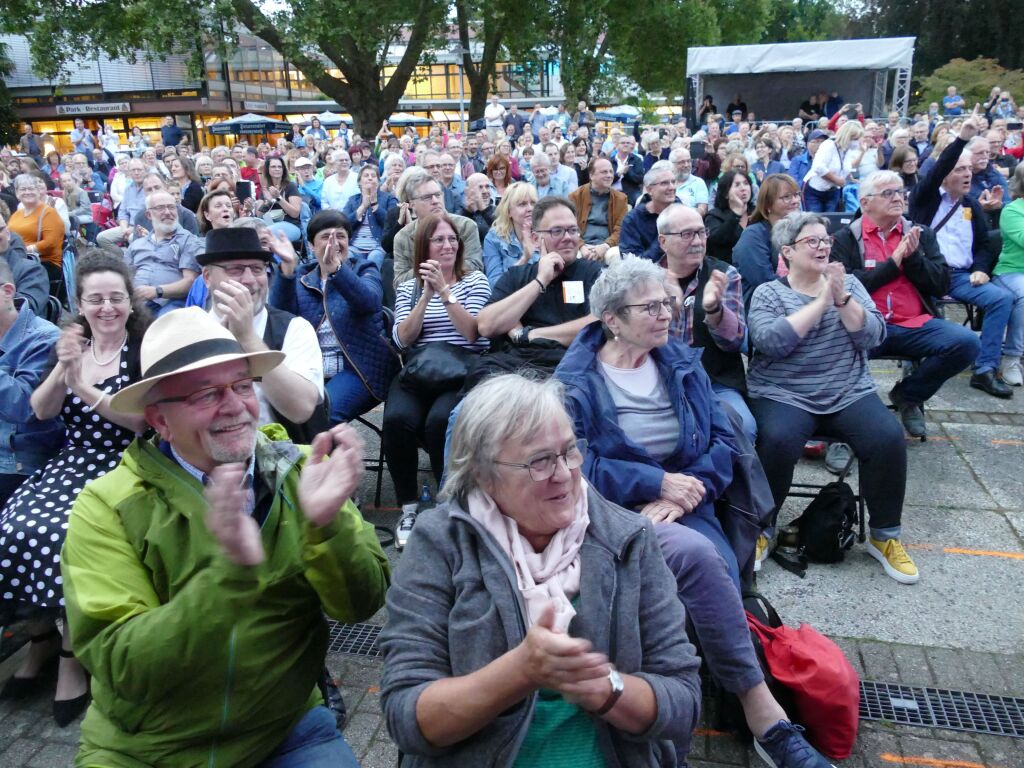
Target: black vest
<point x="319" y="421"/>
<point x="725" y="368"/>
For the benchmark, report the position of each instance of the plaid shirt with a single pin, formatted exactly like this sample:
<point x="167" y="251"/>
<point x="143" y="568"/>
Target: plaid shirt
<point x="731" y="329"/>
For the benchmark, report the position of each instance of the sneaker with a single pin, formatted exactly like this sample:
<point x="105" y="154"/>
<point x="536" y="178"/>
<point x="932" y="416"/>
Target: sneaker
<point x="763" y="548"/>
<point x="1011" y="372"/>
<point x="838" y="458"/>
<point x="405" y="524"/>
<point x="784" y="746"/>
<point x="894" y="560"/>
<point x="911" y="414"/>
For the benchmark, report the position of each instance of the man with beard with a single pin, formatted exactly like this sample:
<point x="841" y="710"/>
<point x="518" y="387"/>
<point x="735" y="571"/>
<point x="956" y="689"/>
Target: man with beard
<point x="164" y="261"/>
<point x="236" y="270"/>
<point x="198" y="572"/>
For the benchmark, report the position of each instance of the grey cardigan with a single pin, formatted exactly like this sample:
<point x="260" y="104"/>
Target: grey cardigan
<point x="454" y="606"/>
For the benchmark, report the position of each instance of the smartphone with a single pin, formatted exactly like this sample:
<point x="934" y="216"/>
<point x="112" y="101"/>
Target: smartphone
<point x="244" y="190"/>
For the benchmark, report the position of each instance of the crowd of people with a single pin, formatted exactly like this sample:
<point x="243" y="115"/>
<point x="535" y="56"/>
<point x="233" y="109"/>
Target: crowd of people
<point x="591" y="331"/>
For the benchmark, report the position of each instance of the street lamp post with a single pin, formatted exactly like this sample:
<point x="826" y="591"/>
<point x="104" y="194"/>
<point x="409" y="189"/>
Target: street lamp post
<point x="458" y="52"/>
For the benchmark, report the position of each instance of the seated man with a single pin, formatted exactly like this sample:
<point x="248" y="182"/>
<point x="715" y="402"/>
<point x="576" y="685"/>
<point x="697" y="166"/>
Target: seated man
<point x="941" y="201"/>
<point x="690" y="188"/>
<point x="154" y="182"/>
<point x="477" y="203"/>
<point x="988" y="185"/>
<point x="235" y="270"/>
<point x="452" y="184"/>
<point x="709" y="311"/>
<point x="309" y="186"/>
<point x="425" y="198"/>
<point x="29" y="275"/>
<point x="904" y="271"/>
<point x="599" y="210"/>
<point x="215" y="548"/>
<point x="639" y="234"/>
<point x="629" y="168"/>
<point x="164" y="261"/>
<point x="544" y="179"/>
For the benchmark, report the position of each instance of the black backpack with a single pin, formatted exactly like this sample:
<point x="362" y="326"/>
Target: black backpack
<point x="827" y="525"/>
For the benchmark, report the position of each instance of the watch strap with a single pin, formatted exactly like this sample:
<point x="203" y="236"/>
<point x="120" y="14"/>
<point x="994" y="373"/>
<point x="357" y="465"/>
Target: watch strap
<point x="617" y="689"/>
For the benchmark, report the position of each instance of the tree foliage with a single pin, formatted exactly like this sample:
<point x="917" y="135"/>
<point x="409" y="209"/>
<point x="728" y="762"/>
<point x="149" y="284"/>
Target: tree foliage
<point x="974" y="81"/>
<point x="8" y="118"/>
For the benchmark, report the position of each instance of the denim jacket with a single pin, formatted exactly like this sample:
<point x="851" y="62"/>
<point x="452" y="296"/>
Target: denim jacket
<point x="26" y="443"/>
<point x="500" y="254"/>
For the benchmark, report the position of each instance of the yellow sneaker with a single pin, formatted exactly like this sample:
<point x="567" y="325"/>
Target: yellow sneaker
<point x="894" y="560"/>
<point x="762" y="549"/>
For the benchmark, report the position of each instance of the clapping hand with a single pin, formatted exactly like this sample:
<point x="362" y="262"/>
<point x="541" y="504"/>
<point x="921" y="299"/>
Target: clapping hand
<point x="835" y="273"/>
<point x="237" y="533"/>
<point x="908" y="246"/>
<point x="991" y="199"/>
<point x="234" y="305"/>
<point x="714" y="290"/>
<point x="70" y="347"/>
<point x="331" y="473"/>
<point x="432" y="277"/>
<point x="285" y="251"/>
<point x="333" y="255"/>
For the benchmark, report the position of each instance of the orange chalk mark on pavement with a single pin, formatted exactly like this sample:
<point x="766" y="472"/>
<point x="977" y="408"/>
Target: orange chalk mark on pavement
<point x="931" y="762"/>
<point x="709" y="732"/>
<point x="965" y="551"/>
<point x="1008" y="442"/>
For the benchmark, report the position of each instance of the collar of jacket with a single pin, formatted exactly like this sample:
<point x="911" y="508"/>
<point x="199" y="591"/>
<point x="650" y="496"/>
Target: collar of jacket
<point x="581" y="356"/>
<point x="21" y="326"/>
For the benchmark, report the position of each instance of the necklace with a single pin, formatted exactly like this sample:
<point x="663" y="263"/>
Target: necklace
<point x="101" y="363"/>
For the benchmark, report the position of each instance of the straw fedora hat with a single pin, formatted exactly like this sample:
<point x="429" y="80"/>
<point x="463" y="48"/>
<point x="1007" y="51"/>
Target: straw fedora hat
<point x="186" y="340"/>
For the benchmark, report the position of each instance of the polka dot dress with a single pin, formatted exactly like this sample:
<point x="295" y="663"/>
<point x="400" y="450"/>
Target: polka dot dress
<point x="35" y="520"/>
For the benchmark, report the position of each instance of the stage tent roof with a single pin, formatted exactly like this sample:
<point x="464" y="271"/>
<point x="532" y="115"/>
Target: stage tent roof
<point x="885" y="53"/>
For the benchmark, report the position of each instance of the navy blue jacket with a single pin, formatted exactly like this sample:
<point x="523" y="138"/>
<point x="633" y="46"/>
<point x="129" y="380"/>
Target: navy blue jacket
<point x="354" y="300"/>
<point x="378" y="218"/>
<point x="755" y="258"/>
<point x="617" y="467"/>
<point x="639" y="233"/>
<point x="26" y="443"/>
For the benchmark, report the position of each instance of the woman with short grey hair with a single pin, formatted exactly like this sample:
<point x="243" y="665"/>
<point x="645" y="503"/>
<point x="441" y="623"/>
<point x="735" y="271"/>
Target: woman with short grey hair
<point x="506" y="643"/>
<point x="812" y="332"/>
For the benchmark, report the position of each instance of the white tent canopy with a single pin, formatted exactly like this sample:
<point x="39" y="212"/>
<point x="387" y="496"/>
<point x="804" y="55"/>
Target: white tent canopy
<point x="887" y="53"/>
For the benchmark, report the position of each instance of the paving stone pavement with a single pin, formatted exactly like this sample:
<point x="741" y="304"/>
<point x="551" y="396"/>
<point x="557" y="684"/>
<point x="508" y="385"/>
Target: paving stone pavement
<point x="960" y="628"/>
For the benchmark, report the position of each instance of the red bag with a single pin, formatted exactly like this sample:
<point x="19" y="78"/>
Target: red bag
<point x="823" y="686"/>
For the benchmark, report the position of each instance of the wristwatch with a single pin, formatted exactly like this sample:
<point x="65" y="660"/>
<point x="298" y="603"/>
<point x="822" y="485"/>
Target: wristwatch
<point x="618" y="686"/>
<point x="159" y="291"/>
<point x="845" y="300"/>
<point x="450" y="300"/>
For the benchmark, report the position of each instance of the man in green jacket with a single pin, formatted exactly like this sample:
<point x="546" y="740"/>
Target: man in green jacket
<point x="198" y="572"/>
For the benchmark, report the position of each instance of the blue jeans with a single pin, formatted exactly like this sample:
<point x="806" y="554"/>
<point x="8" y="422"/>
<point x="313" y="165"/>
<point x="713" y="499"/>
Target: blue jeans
<point x="292" y="232"/>
<point x="946" y="349"/>
<point x="314" y="743"/>
<point x="1014" y="282"/>
<point x="820" y="202"/>
<point x="997" y="303"/>
<point x="349" y="397"/>
<point x="734" y="399"/>
<point x="376" y="256"/>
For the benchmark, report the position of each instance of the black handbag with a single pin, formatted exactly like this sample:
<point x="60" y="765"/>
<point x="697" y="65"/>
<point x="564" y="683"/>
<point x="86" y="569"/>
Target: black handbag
<point x="437" y="367"/>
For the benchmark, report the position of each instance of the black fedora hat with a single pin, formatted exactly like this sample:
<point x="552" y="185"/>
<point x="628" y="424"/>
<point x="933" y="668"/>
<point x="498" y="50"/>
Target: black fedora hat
<point x="231" y="244"/>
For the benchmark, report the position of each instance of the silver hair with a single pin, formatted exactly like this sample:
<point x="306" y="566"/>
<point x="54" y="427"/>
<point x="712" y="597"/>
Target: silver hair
<point x="502" y="410"/>
<point x="870" y="183"/>
<point x="337" y="154"/>
<point x="975" y="142"/>
<point x="393" y="159"/>
<point x="611" y="290"/>
<point x="412" y="179"/>
<point x="678" y="152"/>
<point x="665" y="217"/>
<point x="659" y="167"/>
<point x="249" y="221"/>
<point x="26" y="180"/>
<point x="787" y="230"/>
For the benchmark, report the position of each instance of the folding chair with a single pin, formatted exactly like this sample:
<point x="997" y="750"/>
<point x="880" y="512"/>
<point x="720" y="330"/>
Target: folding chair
<point x="810" y="490"/>
<point x="906" y="365"/>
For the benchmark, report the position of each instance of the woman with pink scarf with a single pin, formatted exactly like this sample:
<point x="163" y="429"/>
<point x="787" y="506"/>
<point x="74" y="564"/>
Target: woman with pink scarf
<point x="531" y="622"/>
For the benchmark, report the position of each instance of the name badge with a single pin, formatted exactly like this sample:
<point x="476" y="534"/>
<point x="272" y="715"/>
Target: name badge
<point x="869" y="263"/>
<point x="968" y="214"/>
<point x="572" y="291"/>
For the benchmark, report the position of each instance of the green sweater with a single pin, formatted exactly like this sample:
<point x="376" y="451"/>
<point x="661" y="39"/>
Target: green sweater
<point x="197" y="661"/>
<point x="1011" y="225"/>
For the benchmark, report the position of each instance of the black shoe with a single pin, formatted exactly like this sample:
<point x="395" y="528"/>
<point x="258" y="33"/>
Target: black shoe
<point x="22" y="687"/>
<point x="987" y="382"/>
<point x="911" y="414"/>
<point x="67" y="711"/>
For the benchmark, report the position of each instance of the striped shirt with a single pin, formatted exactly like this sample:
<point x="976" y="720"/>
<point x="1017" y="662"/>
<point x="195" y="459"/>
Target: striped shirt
<point x="472" y="292"/>
<point x="823" y="372"/>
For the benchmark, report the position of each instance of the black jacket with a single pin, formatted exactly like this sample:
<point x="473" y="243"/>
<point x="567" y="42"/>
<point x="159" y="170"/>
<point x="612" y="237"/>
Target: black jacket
<point x="926" y="196"/>
<point x="724" y="232"/>
<point x="926" y="267"/>
<point x="633" y="179"/>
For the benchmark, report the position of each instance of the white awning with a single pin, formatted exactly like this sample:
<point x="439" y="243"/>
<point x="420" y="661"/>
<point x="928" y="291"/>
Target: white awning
<point x="885" y="53"/>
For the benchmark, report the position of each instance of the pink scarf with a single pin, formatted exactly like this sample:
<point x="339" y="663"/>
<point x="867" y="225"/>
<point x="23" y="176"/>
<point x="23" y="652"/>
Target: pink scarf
<point x="549" y="576"/>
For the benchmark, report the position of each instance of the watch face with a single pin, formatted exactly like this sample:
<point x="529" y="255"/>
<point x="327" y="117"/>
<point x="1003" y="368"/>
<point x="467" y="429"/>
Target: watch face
<point x="616" y="680"/>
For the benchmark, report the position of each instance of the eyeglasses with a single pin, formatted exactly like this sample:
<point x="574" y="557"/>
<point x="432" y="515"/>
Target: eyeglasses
<point x="543" y="467"/>
<point x="557" y="233"/>
<point x="654" y="308"/>
<point x="663" y="183"/>
<point x="687" y="236"/>
<point x="815" y="242"/>
<point x="208" y="397"/>
<point x="889" y="194"/>
<point x="237" y="271"/>
<point x="439" y="241"/>
<point x="163" y="208"/>
<point x="431" y="196"/>
<point x="99" y="301"/>
<point x="791" y="197"/>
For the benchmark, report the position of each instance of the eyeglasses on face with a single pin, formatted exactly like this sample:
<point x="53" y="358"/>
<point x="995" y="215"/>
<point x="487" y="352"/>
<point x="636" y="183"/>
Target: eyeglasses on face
<point x="543" y="467"/>
<point x="238" y="271"/>
<point x="441" y="240"/>
<point x="163" y="208"/>
<point x="96" y="300"/>
<point x="889" y="194"/>
<point x="557" y="233"/>
<point x="814" y="242"/>
<point x="687" y="236"/>
<point x="207" y="397"/>
<point x="790" y="198"/>
<point x="654" y="308"/>
<point x="430" y="196"/>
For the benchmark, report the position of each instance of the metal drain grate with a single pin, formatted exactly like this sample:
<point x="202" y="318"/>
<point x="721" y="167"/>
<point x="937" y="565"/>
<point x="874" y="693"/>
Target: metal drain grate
<point x="357" y="639"/>
<point x="938" y="708"/>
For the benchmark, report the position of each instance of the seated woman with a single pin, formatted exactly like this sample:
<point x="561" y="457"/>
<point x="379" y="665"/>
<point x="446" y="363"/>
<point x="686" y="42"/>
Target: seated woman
<point x="753" y="255"/>
<point x="97" y="355"/>
<point x="659" y="444"/>
<point x="510" y="241"/>
<point x="79" y="205"/>
<point x="506" y="642"/>
<point x="368" y="212"/>
<point x="216" y="211"/>
<point x="39" y="226"/>
<point x="499" y="171"/>
<point x="905" y="162"/>
<point x="766" y="164"/>
<point x="280" y="203"/>
<point x="811" y="333"/>
<point x="733" y="161"/>
<point x="730" y="214"/>
<point x="341" y="297"/>
<point x="439" y="305"/>
<point x="184" y="172"/>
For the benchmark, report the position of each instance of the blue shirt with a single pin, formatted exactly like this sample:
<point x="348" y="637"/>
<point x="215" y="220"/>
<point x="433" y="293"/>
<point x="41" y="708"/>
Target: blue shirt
<point x="133" y="202"/>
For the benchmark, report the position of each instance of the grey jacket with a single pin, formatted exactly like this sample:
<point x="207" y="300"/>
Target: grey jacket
<point x="454" y="607"/>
